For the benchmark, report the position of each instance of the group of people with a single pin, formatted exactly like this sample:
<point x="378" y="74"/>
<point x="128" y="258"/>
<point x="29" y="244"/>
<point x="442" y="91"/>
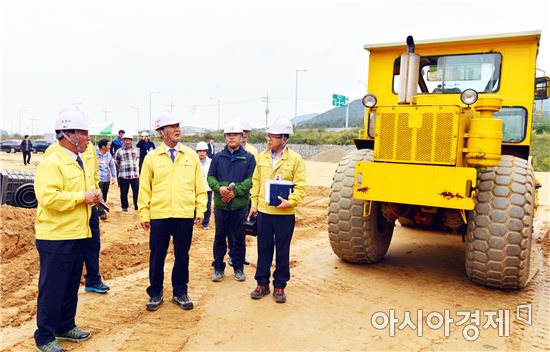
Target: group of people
<point x="176" y="186"/>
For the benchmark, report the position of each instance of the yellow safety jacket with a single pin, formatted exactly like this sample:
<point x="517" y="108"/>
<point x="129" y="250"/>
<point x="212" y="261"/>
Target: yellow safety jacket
<point x="252" y="150"/>
<point x="291" y="167"/>
<point x="89" y="158"/>
<point x="59" y="185"/>
<point x="171" y="189"/>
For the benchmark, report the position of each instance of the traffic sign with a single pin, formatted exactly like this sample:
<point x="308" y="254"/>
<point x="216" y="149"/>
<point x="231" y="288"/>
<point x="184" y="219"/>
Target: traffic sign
<point x="339" y="100"/>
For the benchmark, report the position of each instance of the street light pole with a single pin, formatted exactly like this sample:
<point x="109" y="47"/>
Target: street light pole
<point x="296" y="96"/>
<point x="266" y="99"/>
<point x="150" y="95"/>
<point x="137" y="109"/>
<point x="20" y="111"/>
<point x="218" y="100"/>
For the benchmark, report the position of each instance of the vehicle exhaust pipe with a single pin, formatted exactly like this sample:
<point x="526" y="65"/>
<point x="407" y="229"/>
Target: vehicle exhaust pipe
<point x="408" y="73"/>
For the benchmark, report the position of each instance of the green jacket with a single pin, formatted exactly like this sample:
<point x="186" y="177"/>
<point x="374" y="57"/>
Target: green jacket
<point x="238" y="168"/>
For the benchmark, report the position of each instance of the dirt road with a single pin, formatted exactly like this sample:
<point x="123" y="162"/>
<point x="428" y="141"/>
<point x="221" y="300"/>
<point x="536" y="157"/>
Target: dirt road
<point x="330" y="303"/>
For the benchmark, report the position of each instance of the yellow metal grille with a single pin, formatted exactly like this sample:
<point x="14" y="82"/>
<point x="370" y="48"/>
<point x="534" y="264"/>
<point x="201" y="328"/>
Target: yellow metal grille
<point x="417" y="134"/>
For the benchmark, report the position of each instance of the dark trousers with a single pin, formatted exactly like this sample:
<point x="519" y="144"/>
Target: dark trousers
<point x="274" y="233"/>
<point x="182" y="232"/>
<point x="26" y="157"/>
<point x="208" y="211"/>
<point x="104" y="187"/>
<point x="60" y="271"/>
<point x="125" y="184"/>
<point x="140" y="163"/>
<point x="229" y="232"/>
<point x="91" y="254"/>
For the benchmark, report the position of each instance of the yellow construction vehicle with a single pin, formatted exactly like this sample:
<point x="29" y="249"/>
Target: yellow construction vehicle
<point x="446" y="143"/>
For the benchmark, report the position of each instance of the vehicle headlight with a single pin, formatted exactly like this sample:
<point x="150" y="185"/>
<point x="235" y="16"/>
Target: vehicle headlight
<point x="369" y="101"/>
<point x="469" y="96"/>
<point x="371" y="130"/>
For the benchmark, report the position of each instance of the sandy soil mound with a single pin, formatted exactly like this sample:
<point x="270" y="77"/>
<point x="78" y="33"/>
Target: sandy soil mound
<point x="329" y="156"/>
<point x="16" y="231"/>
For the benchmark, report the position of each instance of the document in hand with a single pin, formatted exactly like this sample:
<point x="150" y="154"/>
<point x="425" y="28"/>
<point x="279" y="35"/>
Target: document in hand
<point x="276" y="188"/>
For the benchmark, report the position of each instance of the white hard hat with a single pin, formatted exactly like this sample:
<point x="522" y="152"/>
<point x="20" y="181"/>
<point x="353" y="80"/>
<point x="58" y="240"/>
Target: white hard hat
<point x="246" y="125"/>
<point x="128" y="136"/>
<point x="201" y="146"/>
<point x="144" y="134"/>
<point x="233" y="127"/>
<point x="166" y="119"/>
<point x="70" y="107"/>
<point x="72" y="120"/>
<point x="281" y="126"/>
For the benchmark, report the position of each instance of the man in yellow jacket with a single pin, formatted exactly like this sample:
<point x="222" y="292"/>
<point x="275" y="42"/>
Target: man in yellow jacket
<point x="66" y="192"/>
<point x="92" y="278"/>
<point x="172" y="196"/>
<point x="276" y="218"/>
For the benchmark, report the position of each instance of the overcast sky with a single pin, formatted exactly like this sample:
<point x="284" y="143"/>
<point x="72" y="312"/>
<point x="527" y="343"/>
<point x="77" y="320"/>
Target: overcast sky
<point x="108" y="55"/>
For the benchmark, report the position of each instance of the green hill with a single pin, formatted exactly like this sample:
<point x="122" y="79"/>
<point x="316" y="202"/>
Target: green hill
<point x="336" y="118"/>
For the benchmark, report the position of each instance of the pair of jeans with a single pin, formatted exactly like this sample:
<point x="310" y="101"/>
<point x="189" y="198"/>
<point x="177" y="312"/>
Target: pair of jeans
<point x="60" y="271"/>
<point x="229" y="234"/>
<point x="93" y="247"/>
<point x="208" y="211"/>
<point x="274" y="234"/>
<point x="104" y="187"/>
<point x="181" y="230"/>
<point x="26" y="157"/>
<point x="125" y="184"/>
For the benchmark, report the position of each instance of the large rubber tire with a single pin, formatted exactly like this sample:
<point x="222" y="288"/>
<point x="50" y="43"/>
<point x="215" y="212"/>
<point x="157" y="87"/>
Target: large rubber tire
<point x="24" y="196"/>
<point x="355" y="238"/>
<point x="501" y="225"/>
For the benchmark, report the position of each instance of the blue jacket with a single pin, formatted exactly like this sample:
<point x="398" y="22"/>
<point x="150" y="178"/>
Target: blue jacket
<point x="116" y="144"/>
<point x="237" y="167"/>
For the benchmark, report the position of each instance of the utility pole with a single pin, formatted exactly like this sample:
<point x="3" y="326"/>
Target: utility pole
<point x="105" y="112"/>
<point x="137" y="109"/>
<point x="171" y="105"/>
<point x="150" y="95"/>
<point x="296" y="96"/>
<point x="266" y="100"/>
<point x="541" y="101"/>
<point x="218" y="100"/>
<point x="32" y="126"/>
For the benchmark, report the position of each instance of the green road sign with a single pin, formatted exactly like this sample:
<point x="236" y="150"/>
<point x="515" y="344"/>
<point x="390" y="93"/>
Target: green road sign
<point x="338" y="100"/>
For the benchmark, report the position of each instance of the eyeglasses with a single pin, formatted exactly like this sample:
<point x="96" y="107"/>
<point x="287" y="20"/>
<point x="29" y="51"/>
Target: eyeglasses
<point x="273" y="136"/>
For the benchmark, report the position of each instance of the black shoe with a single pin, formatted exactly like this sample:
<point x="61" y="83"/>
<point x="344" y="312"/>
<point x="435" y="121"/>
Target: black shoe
<point x="74" y="335"/>
<point x="183" y="301"/>
<point x="259" y="292"/>
<point x="279" y="295"/>
<point x="154" y="303"/>
<point x="217" y="276"/>
<point x="239" y="275"/>
<point x="100" y="287"/>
